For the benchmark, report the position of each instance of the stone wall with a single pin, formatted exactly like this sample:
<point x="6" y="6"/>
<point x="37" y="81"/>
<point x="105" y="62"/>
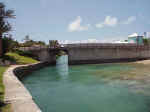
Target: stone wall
<point x="44" y="55"/>
<point x="96" y="53"/>
<point x="107" y="54"/>
<point x="25" y="70"/>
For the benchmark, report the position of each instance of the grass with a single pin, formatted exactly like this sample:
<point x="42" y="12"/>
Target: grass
<point x="3" y="107"/>
<point x="19" y="59"/>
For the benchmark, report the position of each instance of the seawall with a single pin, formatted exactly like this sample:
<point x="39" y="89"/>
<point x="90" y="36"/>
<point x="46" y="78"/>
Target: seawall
<point x="15" y="92"/>
<point x="107" y="53"/>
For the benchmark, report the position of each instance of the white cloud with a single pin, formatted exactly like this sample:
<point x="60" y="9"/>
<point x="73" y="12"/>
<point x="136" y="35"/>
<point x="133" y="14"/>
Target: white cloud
<point x="109" y="21"/>
<point x="76" y="25"/>
<point x="129" y="20"/>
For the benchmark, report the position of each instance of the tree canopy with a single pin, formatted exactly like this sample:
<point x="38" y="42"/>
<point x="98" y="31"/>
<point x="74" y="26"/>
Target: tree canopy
<point x="5" y="14"/>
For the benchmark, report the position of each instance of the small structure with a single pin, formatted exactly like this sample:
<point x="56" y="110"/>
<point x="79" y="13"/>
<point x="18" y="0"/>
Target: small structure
<point x="135" y="38"/>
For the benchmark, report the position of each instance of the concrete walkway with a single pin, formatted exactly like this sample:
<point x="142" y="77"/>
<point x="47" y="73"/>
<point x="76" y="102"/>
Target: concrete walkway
<point x="17" y="94"/>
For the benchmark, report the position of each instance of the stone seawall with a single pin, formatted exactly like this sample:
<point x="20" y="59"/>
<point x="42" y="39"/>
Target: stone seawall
<point x="105" y="54"/>
<point x="25" y="70"/>
<point x="15" y="92"/>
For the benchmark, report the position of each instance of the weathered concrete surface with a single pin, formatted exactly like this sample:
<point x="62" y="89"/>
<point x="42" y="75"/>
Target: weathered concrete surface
<point x="96" y="53"/>
<point x="17" y="94"/>
<point x="107" y="54"/>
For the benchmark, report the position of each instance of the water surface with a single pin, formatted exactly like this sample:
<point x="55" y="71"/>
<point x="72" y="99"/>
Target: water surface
<point x="85" y="88"/>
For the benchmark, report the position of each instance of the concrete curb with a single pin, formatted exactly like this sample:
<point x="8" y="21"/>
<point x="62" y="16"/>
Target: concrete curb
<point x="17" y="94"/>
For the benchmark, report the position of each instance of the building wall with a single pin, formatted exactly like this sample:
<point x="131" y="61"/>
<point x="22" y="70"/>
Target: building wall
<point x="132" y="39"/>
<point x="136" y="39"/>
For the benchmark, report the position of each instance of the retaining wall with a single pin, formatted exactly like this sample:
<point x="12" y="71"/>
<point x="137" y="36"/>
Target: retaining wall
<point x="107" y="54"/>
<point x="15" y="92"/>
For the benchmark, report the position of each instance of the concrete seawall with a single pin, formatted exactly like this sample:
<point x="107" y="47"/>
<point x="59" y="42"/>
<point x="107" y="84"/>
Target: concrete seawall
<point x="107" y="54"/>
<point x="15" y="92"/>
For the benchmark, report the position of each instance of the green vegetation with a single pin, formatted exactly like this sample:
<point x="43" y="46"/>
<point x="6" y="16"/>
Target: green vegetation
<point x="5" y="27"/>
<point x="60" y="53"/>
<point x="3" y="107"/>
<point x="146" y="41"/>
<point x="28" y="42"/>
<point x="5" y="14"/>
<point x="19" y="59"/>
<point x="54" y="44"/>
<point x="9" y="44"/>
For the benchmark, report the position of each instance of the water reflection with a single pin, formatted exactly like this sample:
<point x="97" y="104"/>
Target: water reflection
<point x="62" y="66"/>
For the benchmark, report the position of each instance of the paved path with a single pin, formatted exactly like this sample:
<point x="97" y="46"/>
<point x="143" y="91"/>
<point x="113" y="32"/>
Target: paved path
<point x="17" y="94"/>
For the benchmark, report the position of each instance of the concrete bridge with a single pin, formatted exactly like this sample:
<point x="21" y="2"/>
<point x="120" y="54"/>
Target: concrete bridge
<point x="93" y="53"/>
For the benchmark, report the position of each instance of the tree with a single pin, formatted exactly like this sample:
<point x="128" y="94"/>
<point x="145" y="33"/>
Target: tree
<point x="9" y="44"/>
<point x="5" y="27"/>
<point x="42" y="43"/>
<point x="146" y="41"/>
<point x="53" y="44"/>
<point x="28" y="42"/>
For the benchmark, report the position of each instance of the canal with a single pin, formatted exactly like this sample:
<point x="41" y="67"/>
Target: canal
<point x="89" y="88"/>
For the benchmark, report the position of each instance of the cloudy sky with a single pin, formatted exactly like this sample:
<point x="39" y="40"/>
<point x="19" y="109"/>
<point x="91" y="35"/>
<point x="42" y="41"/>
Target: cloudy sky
<point x="74" y="20"/>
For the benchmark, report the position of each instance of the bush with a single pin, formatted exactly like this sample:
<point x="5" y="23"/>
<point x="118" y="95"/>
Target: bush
<point x="146" y="41"/>
<point x="9" y="44"/>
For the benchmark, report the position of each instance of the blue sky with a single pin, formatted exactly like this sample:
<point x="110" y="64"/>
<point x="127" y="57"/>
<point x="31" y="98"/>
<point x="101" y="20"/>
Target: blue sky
<point x="79" y="19"/>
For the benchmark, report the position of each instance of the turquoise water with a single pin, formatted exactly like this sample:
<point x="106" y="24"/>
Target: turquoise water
<point x="84" y="88"/>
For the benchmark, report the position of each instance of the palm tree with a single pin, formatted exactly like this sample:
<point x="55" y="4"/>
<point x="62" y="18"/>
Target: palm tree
<point x="5" y="27"/>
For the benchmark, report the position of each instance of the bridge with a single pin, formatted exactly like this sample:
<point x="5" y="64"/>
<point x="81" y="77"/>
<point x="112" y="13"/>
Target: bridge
<point x="93" y="52"/>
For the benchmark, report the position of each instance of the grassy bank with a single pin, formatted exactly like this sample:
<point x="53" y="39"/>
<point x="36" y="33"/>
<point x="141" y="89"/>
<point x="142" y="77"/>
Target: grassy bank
<point x="3" y="107"/>
<point x="20" y="59"/>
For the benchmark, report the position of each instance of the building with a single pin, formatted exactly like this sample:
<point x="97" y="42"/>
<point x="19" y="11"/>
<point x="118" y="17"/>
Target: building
<point x="135" y="38"/>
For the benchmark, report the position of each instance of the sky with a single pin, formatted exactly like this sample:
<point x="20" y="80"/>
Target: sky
<point x="74" y="20"/>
